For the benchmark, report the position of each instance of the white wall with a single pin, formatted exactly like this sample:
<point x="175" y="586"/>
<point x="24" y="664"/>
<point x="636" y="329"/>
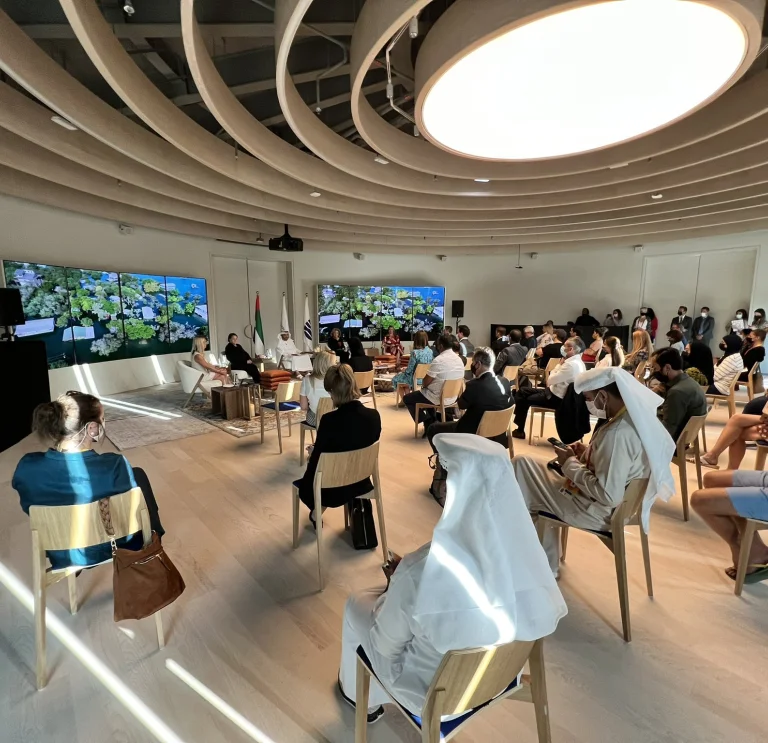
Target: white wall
<point x="555" y="286"/>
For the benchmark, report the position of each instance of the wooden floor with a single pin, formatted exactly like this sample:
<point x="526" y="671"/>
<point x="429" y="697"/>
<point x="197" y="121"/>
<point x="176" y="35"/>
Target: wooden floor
<point x="252" y="629"/>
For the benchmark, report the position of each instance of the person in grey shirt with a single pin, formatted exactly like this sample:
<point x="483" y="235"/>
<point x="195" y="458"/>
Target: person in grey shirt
<point x="467" y="347"/>
<point x="513" y="355"/>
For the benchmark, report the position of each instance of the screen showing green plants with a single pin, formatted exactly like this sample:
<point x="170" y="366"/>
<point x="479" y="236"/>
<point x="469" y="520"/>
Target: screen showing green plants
<point x="369" y="311"/>
<point x="85" y="316"/>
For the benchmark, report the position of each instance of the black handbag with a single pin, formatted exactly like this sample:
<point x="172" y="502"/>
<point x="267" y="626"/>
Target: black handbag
<point x="362" y="526"/>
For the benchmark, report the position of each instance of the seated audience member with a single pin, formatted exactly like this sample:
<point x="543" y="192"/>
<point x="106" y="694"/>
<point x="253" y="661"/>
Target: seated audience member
<point x="698" y="356"/>
<point x="592" y="354"/>
<point x="755" y="354"/>
<point x="551" y="350"/>
<point x="467" y="347"/>
<point x="529" y="339"/>
<point x="501" y="340"/>
<point x="391" y="344"/>
<point x="683" y="322"/>
<point x="513" y="355"/>
<point x="197" y="360"/>
<point x="573" y="331"/>
<point x="358" y="360"/>
<point x="285" y="348"/>
<point x="447" y="365"/>
<point x="749" y="425"/>
<point x="759" y="321"/>
<point x="313" y="385"/>
<point x="337" y="346"/>
<point x="738" y="323"/>
<point x="419" y="355"/>
<point x="70" y="473"/>
<point x="560" y="377"/>
<point x="547" y="336"/>
<point x="239" y="359"/>
<point x="675" y="339"/>
<point x="727" y="499"/>
<point x="642" y="350"/>
<point x="683" y="398"/>
<point x="729" y="367"/>
<point x="350" y="427"/>
<point x="585" y="319"/>
<point x="631" y="444"/>
<point x="614" y="319"/>
<point x="614" y="355"/>
<point x="427" y="611"/>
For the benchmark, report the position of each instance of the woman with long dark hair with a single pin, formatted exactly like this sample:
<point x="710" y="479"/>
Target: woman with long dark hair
<point x="697" y="355"/>
<point x="729" y="367"/>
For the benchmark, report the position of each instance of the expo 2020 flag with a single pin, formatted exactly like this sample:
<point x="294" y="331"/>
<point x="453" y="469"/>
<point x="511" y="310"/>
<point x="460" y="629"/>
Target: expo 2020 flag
<point x="258" y="330"/>
<point x="307" y="325"/>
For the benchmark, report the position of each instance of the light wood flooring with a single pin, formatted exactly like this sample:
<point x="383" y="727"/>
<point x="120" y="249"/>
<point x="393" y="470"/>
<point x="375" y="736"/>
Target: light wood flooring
<point x="252" y="628"/>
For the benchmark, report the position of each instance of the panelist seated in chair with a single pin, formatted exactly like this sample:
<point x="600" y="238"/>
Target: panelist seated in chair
<point x="70" y="473"/>
<point x="632" y="444"/>
<point x="482" y="581"/>
<point x="560" y="377"/>
<point x="239" y="358"/>
<point x="285" y="349"/>
<point x="350" y="427"/>
<point x="198" y="362"/>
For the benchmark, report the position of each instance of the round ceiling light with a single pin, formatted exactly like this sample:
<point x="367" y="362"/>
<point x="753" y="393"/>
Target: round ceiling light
<point x="575" y="77"/>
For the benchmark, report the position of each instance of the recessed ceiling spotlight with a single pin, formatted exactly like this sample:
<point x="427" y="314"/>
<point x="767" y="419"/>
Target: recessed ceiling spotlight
<point x="61" y="121"/>
<point x="128" y="8"/>
<point x="482" y="180"/>
<point x="381" y="160"/>
<point x="657" y="196"/>
<point x="315" y="194"/>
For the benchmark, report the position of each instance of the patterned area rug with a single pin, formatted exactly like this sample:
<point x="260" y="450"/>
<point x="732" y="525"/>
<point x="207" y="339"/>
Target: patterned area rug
<point x="144" y="430"/>
<point x="240" y="427"/>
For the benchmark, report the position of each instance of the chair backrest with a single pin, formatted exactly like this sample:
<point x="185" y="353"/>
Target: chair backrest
<point x="210" y="357"/>
<point x="551" y="364"/>
<point x="324" y="405"/>
<point x="451" y="388"/>
<point x="188" y="376"/>
<point x="633" y="500"/>
<point x="531" y="353"/>
<point x="495" y="422"/>
<point x="77" y="527"/>
<point x="690" y="434"/>
<point x="364" y="379"/>
<point x="470" y="678"/>
<point x="468" y="364"/>
<point x="510" y="373"/>
<point x="640" y="371"/>
<point x="419" y="373"/>
<point x="335" y="470"/>
<point x="288" y="391"/>
<point x="371" y="352"/>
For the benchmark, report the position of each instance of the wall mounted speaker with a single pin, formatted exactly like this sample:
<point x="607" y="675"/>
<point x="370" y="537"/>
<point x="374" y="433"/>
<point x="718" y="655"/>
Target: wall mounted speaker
<point x="457" y="308"/>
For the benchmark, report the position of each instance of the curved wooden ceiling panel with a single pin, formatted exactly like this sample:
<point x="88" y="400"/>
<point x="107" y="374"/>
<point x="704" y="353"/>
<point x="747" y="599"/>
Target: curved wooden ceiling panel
<point x="710" y="168"/>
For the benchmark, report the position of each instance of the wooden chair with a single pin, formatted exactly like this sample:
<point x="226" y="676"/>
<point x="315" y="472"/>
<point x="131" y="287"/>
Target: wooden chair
<point x="730" y="398"/>
<point x="540" y="380"/>
<point x="532" y="411"/>
<point x="192" y="381"/>
<point x="335" y="471"/>
<point x="626" y="514"/>
<point x="468" y="364"/>
<point x="762" y="451"/>
<point x="752" y="377"/>
<point x="510" y="373"/>
<point x="365" y="379"/>
<point x="403" y="389"/>
<point x="689" y="437"/>
<point x="372" y="352"/>
<point x="78" y="527"/>
<point x="467" y="682"/>
<point x="497" y="422"/>
<point x="451" y="388"/>
<point x="286" y="400"/>
<point x="324" y="405"/>
<point x="751" y="528"/>
<point x="640" y="371"/>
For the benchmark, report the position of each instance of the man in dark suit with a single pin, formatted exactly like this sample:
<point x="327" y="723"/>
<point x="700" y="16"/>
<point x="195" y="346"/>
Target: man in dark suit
<point x="684" y="322"/>
<point x="703" y="327"/>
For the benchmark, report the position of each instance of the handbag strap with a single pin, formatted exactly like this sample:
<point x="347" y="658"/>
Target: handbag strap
<point x="106" y="521"/>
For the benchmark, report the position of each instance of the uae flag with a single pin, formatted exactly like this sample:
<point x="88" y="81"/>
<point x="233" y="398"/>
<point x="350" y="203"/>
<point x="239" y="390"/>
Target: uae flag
<point x="307" y="325"/>
<point x="258" y="330"/>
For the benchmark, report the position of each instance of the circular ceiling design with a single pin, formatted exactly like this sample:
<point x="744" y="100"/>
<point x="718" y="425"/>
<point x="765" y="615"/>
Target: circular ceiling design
<point x="582" y="78"/>
<point x="149" y="161"/>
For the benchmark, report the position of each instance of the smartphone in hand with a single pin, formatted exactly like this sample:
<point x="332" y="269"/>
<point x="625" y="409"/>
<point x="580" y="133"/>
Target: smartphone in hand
<point x="556" y="443"/>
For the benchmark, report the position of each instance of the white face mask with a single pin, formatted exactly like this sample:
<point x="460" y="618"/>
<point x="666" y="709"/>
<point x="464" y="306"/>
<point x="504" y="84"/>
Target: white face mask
<point x="738" y="315"/>
<point x="594" y="410"/>
<point x="563" y="351"/>
<point x="703" y="314"/>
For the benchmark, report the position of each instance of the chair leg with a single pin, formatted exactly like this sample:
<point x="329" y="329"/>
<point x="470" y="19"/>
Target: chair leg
<point x="289" y="423"/>
<point x="160" y="631"/>
<point x="683" y="468"/>
<point x="539" y="692"/>
<point x="382" y="527"/>
<point x="373" y="397"/>
<point x="541" y="429"/>
<point x="347" y="524"/>
<point x="416" y="427"/>
<point x="620" y="557"/>
<point x="530" y="428"/>
<point x="646" y="560"/>
<point x="189" y="400"/>
<point x="279" y="429"/>
<point x="746" y="545"/>
<point x="319" y="522"/>
<point x="762" y="452"/>
<point x="72" y="586"/>
<point x="731" y="407"/>
<point x="697" y="460"/>
<point x="261" y="418"/>
<point x="363" y="682"/>
<point x="704" y="437"/>
<point x="564" y="531"/>
<point x="38" y="582"/>
<point x="302" y="430"/>
<point x="296" y="506"/>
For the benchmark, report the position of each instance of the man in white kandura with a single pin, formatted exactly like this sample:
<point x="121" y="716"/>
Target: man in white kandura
<point x="285" y="349"/>
<point x="482" y="581"/>
<point x="632" y="444"/>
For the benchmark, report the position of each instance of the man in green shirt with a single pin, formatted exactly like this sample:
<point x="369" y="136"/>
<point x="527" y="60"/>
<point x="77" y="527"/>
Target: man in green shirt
<point x="683" y="398"/>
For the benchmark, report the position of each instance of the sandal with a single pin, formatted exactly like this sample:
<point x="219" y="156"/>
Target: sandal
<point x="705" y="463"/>
<point x="757" y="575"/>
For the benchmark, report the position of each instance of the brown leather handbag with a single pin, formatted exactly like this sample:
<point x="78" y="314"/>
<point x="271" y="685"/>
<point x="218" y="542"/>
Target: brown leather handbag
<point x="144" y="581"/>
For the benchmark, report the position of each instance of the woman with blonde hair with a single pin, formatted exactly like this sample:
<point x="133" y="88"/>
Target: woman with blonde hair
<point x="198" y="361"/>
<point x="350" y="427"/>
<point x="312" y="386"/>
<point x="642" y="350"/>
<point x="614" y="353"/>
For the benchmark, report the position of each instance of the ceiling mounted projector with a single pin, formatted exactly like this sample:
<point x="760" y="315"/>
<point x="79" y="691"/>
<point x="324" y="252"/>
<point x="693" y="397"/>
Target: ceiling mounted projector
<point x="286" y="243"/>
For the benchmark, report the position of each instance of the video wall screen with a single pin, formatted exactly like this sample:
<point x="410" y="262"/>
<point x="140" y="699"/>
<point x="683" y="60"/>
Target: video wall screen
<point x="367" y="312"/>
<point x="86" y="316"/>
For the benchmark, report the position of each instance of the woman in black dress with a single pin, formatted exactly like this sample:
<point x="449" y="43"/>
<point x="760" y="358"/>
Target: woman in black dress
<point x="239" y="359"/>
<point x="336" y="345"/>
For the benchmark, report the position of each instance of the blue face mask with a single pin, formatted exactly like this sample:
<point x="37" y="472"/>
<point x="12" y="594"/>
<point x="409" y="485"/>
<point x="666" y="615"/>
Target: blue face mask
<point x="563" y="351"/>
